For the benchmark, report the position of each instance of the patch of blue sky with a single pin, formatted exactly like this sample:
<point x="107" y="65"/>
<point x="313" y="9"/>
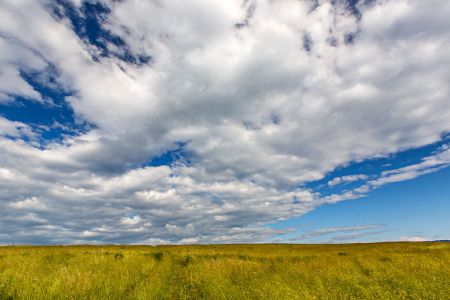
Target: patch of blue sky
<point x="412" y="208"/>
<point x="171" y="157"/>
<point x="51" y="117"/>
<point x="352" y="5"/>
<point x="372" y="168"/>
<point x="87" y="22"/>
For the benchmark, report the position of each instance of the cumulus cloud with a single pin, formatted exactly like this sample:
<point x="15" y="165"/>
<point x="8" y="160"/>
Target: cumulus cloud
<point x="32" y="203"/>
<point x="263" y="96"/>
<point x="15" y="129"/>
<point x="131" y="221"/>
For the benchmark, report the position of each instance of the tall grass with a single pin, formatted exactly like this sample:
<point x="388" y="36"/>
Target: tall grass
<point x="358" y="271"/>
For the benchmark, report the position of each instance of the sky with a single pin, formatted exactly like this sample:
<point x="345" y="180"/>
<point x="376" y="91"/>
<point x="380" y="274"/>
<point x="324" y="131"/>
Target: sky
<point x="247" y="121"/>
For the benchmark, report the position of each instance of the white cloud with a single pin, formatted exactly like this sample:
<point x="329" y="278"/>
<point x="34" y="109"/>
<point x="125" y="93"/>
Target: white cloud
<point x="413" y="239"/>
<point x="15" y="129"/>
<point x="260" y="115"/>
<point x="347" y="179"/>
<point x="131" y="221"/>
<point x="191" y="240"/>
<point x="429" y="164"/>
<point x="32" y="203"/>
<point x="438" y="160"/>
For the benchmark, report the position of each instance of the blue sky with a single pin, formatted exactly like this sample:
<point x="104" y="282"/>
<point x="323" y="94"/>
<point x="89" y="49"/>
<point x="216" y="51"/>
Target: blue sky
<point x="411" y="210"/>
<point x="415" y="209"/>
<point x="294" y="121"/>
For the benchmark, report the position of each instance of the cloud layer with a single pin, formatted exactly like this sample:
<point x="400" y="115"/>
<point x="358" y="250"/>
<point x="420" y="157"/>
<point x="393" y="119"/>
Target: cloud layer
<point x="257" y="98"/>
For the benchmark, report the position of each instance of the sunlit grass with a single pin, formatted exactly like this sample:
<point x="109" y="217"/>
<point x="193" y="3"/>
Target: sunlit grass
<point x="359" y="271"/>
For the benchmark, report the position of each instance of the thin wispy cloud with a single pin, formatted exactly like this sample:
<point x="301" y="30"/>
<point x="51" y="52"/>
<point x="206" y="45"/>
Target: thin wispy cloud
<point x="341" y="233"/>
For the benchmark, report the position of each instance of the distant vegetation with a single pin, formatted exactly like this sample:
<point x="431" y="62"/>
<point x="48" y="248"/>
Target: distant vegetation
<point x="358" y="271"/>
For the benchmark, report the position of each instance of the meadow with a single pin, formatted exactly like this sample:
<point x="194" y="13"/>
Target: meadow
<point x="269" y="271"/>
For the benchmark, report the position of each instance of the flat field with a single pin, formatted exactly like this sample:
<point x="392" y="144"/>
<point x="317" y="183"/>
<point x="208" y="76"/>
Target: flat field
<point x="352" y="271"/>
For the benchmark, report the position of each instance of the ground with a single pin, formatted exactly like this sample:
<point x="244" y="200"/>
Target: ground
<point x="353" y="271"/>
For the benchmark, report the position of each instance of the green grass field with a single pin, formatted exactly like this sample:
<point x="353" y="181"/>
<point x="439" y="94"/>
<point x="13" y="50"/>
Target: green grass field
<point x="357" y="271"/>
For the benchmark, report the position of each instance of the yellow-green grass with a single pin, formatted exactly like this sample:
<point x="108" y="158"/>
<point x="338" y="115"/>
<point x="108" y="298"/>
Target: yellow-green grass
<point x="355" y="271"/>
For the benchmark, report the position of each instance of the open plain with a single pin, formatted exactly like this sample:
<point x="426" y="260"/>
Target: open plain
<point x="265" y="271"/>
